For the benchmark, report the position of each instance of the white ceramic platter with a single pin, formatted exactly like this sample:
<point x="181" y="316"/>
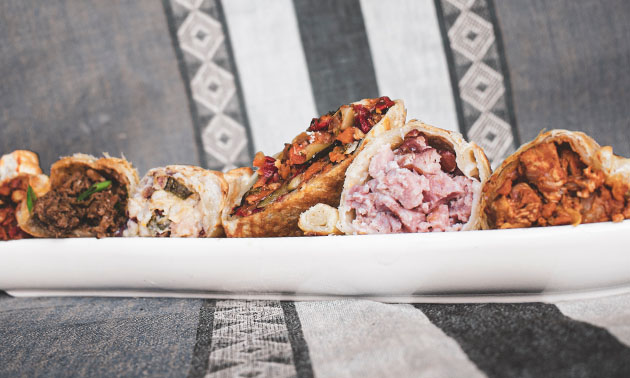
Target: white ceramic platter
<point x="477" y="266"/>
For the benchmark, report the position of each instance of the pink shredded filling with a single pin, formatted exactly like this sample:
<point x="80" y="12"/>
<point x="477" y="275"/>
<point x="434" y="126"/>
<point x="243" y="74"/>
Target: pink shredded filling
<point x="410" y="192"/>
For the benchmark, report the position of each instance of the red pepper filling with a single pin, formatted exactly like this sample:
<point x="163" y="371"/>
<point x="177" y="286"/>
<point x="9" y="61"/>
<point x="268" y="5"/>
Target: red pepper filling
<point x="320" y="123"/>
<point x="11" y="194"/>
<point x="266" y="168"/>
<point x="328" y="141"/>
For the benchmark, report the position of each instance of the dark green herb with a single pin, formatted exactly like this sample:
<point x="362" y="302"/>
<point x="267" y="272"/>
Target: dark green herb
<point x="321" y="154"/>
<point x="177" y="188"/>
<point x="158" y="223"/>
<point x="98" y="187"/>
<point x="271" y="198"/>
<point x="30" y="198"/>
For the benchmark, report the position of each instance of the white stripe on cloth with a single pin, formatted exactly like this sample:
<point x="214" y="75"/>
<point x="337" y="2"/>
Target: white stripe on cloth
<point x="249" y="338"/>
<point x="272" y="68"/>
<point x="611" y="313"/>
<point x="409" y="58"/>
<point x="371" y="339"/>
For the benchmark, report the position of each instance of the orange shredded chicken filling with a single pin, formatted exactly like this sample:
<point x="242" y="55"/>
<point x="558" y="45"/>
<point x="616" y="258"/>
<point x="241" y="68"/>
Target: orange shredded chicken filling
<point x="550" y="185"/>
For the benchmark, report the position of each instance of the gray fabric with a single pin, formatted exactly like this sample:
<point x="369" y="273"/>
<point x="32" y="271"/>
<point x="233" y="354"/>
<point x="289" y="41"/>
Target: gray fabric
<point x="569" y="62"/>
<point x="352" y="338"/>
<point x="92" y="76"/>
<point x="337" y="52"/>
<point x="161" y="337"/>
<point x="96" y="337"/>
<point x="513" y="340"/>
<point x="478" y="72"/>
<point x="207" y="65"/>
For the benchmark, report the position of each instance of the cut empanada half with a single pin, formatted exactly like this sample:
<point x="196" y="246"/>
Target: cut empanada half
<point x="561" y="177"/>
<point x="311" y="169"/>
<point x="87" y="197"/>
<point x="418" y="178"/>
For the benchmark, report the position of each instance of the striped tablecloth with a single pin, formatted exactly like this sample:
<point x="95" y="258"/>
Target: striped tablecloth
<point x="345" y="338"/>
<point x="210" y="82"/>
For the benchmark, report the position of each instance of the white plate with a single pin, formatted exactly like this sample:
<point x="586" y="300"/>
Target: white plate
<point x="505" y="265"/>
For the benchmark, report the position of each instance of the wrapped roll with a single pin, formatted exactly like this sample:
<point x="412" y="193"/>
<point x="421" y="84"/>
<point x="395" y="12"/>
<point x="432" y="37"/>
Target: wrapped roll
<point x="415" y="179"/>
<point x="19" y="162"/>
<point x="239" y="181"/>
<point x="319" y="220"/>
<point x="177" y="201"/>
<point x="561" y="177"/>
<point x="21" y="180"/>
<point x="88" y="197"/>
<point x="310" y="169"/>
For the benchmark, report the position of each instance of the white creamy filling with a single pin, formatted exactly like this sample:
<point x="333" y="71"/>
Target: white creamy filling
<point x="185" y="215"/>
<point x="8" y="166"/>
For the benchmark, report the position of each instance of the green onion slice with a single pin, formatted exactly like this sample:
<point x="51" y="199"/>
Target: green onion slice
<point x="30" y="198"/>
<point x="98" y="187"/>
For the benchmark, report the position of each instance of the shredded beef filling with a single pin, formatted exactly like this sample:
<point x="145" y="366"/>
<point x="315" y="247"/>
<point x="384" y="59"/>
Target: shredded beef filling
<point x="11" y="194"/>
<point x="329" y="140"/>
<point x="416" y="188"/>
<point x="102" y="213"/>
<point x="551" y="185"/>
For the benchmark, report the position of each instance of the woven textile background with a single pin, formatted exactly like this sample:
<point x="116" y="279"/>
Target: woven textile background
<point x="210" y="82"/>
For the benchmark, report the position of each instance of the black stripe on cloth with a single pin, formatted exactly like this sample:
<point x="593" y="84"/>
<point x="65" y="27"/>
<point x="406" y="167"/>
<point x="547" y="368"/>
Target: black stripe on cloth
<point x="509" y="102"/>
<point x="337" y="52"/>
<point x="450" y="61"/>
<point x="199" y="35"/>
<point x="530" y="340"/>
<point x="201" y="351"/>
<point x="301" y="357"/>
<point x="479" y="75"/>
<point x="183" y="71"/>
<point x="237" y="80"/>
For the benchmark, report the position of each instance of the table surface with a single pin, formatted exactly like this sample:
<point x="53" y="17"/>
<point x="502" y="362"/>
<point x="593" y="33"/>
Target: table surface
<point x="179" y="337"/>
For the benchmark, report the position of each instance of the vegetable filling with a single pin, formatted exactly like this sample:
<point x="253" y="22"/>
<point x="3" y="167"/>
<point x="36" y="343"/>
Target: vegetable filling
<point x="165" y="206"/>
<point x="11" y="194"/>
<point x="329" y="140"/>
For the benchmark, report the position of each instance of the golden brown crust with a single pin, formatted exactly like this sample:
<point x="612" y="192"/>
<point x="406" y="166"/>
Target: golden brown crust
<point x="281" y="218"/>
<point x="470" y="159"/>
<point x="615" y="168"/>
<point x="19" y="162"/>
<point x="221" y="180"/>
<point x="24" y="165"/>
<point x="61" y="170"/>
<point x="239" y="180"/>
<point x="121" y="169"/>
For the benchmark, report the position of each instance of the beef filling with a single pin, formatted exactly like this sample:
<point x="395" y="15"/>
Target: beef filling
<point x="551" y="185"/>
<point x="102" y="213"/>
<point x="415" y="188"/>
<point x="11" y="194"/>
